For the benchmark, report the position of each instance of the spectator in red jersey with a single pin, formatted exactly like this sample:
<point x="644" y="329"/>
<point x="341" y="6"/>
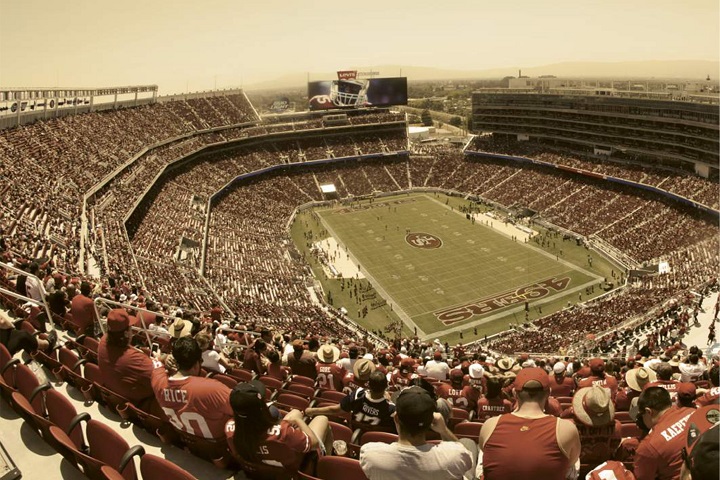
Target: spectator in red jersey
<point x="82" y="310"/>
<point x="659" y="455"/>
<point x="262" y="437"/>
<point x="491" y="403"/>
<point x="455" y="393"/>
<point x="123" y="368"/>
<point x="197" y="405"/>
<point x="664" y="374"/>
<point x="275" y="368"/>
<point x="301" y="361"/>
<point x="505" y="439"/>
<point x="329" y="374"/>
<point x="599" y="377"/>
<point x="712" y="395"/>
<point x="254" y="357"/>
<point x="686" y="393"/>
<point x="403" y="375"/>
<point x="475" y="384"/>
<point x="561" y="385"/>
<point x="702" y="446"/>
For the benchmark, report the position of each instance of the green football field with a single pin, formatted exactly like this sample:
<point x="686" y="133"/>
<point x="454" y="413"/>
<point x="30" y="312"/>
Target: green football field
<point x="440" y="271"/>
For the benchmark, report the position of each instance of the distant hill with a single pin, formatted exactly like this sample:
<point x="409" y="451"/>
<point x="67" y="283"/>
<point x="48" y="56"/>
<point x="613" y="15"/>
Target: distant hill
<point x="685" y="69"/>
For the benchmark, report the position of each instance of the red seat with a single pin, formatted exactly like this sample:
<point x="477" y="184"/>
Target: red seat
<point x="341" y="432"/>
<point x="28" y="385"/>
<point x="330" y="395"/>
<point x="302" y="380"/>
<point x="226" y="380"/>
<point x="242" y="375"/>
<point x="152" y="467"/>
<point x="22" y="407"/>
<point x="290" y="401"/>
<point x="270" y="383"/>
<point x="458" y="415"/>
<point x="299" y="390"/>
<point x="106" y="448"/>
<point x="7" y="373"/>
<point x="110" y="448"/>
<point x="469" y="430"/>
<point x="91" y="348"/>
<point x="624" y="417"/>
<point x="160" y="427"/>
<point x="377" y="436"/>
<point x="62" y="413"/>
<point x="339" y="468"/>
<point x="630" y="430"/>
<point x="70" y="371"/>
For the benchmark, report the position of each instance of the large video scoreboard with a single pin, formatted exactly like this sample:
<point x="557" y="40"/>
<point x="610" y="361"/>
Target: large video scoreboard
<point x="352" y="91"/>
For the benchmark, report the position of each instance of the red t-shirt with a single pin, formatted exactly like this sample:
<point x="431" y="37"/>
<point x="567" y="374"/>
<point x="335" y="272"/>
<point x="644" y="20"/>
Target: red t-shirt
<point x="284" y="446"/>
<point x="350" y="384"/>
<point x="607" y="381"/>
<point x="659" y="455"/>
<point x="561" y="386"/>
<point x="456" y="394"/>
<point x="401" y="380"/>
<point x="669" y="385"/>
<point x="330" y="376"/>
<point x="125" y="371"/>
<point x="487" y="408"/>
<point x="709" y="397"/>
<point x="197" y="405"/>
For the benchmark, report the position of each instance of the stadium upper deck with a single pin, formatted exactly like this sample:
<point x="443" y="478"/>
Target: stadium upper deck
<point x="679" y="134"/>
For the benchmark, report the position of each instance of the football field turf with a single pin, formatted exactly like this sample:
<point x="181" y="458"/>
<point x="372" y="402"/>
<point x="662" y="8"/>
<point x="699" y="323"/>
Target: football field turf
<point x="440" y="271"/>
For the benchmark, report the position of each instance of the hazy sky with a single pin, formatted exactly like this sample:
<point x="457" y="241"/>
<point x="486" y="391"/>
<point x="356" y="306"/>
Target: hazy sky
<point x="198" y="44"/>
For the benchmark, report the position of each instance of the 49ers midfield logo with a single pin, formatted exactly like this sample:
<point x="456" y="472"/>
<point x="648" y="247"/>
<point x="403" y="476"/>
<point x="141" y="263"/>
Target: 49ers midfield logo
<point x="535" y="291"/>
<point x="423" y="240"/>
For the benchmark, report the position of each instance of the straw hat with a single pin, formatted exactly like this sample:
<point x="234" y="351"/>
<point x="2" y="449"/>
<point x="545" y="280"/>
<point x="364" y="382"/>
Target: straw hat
<point x="328" y="354"/>
<point x="593" y="406"/>
<point x="637" y="378"/>
<point x="180" y="328"/>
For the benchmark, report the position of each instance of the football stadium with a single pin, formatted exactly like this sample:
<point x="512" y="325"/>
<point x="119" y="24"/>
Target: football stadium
<point x="211" y="285"/>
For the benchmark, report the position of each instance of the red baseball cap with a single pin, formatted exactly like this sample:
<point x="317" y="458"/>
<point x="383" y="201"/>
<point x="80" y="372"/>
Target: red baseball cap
<point x="118" y="320"/>
<point x="532" y="374"/>
<point x="438" y="355"/>
<point x="597" y="364"/>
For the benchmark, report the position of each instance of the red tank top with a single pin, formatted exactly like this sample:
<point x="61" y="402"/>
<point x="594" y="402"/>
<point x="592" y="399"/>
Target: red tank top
<point x="524" y="448"/>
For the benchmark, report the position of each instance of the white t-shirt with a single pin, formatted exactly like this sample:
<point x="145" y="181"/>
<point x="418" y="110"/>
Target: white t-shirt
<point x="211" y="361"/>
<point x="446" y="460"/>
<point x="438" y="370"/>
<point x="690" y="372"/>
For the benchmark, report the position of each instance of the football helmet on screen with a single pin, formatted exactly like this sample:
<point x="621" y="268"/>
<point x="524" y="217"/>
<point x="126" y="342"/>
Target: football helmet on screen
<point x="349" y="93"/>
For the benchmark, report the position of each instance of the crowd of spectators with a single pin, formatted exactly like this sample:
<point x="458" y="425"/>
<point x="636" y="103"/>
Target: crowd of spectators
<point x="246" y="241"/>
<point x="690" y="186"/>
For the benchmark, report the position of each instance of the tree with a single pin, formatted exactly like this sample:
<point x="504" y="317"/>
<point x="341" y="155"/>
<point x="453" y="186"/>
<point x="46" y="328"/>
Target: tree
<point x="456" y="122"/>
<point x="426" y="118"/>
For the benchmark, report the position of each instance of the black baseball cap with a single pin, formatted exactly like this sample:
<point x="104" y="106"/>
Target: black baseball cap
<point x="414" y="407"/>
<point x="247" y="398"/>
